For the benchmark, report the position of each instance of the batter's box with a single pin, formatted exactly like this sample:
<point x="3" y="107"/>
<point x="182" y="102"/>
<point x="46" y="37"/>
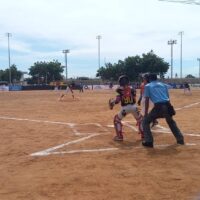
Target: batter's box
<point x="92" y="138"/>
<point x="85" y="132"/>
<point x="96" y="142"/>
<point x="59" y="148"/>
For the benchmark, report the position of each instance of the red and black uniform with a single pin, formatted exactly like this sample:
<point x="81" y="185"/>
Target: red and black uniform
<point x="126" y="95"/>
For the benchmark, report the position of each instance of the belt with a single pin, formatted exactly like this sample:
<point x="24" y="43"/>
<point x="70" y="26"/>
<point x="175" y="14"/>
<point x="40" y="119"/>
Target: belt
<point x="161" y="103"/>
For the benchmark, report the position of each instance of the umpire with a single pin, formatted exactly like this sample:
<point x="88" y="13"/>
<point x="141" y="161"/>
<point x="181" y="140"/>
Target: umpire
<point x="157" y="92"/>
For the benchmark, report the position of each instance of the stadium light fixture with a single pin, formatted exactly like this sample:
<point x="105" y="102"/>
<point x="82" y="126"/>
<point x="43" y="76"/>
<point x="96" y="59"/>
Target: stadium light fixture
<point x="10" y="75"/>
<point x="172" y="42"/>
<point x="66" y="51"/>
<point x="181" y="53"/>
<point x="99" y="37"/>
<point x="198" y="59"/>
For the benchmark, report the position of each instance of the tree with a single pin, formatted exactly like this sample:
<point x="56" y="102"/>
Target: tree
<point x="190" y="76"/>
<point x="133" y="66"/>
<point x="152" y="63"/>
<point x="45" y="72"/>
<point x="15" y="74"/>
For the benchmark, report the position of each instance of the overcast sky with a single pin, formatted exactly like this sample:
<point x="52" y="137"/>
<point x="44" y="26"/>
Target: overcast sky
<point x="41" y="29"/>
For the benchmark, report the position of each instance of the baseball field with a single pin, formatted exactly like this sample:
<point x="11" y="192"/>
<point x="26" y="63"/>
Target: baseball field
<point x="63" y="150"/>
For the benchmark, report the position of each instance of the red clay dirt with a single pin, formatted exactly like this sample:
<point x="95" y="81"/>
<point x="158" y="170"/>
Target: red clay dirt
<point x="88" y="164"/>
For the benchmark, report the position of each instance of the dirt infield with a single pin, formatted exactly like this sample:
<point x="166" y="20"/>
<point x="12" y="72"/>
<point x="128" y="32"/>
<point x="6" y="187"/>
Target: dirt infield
<point x="51" y="150"/>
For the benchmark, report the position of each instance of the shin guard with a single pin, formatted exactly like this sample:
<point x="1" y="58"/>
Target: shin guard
<point x="118" y="126"/>
<point x="139" y="124"/>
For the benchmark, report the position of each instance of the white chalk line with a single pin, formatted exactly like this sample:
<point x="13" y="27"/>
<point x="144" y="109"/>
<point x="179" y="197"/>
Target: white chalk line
<point x="49" y="150"/>
<point x="160" y="130"/>
<point x="130" y="126"/>
<point x="166" y="130"/>
<point x="38" y="121"/>
<point x="72" y="125"/>
<point x="77" y="151"/>
<point x="49" y="122"/>
<point x="188" y="106"/>
<point x="40" y="154"/>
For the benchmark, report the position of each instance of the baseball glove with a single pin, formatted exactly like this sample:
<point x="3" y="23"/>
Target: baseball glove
<point x="111" y="103"/>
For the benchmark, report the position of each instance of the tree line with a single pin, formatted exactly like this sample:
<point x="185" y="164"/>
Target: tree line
<point x="40" y="72"/>
<point x="15" y="74"/>
<point x="133" y="66"/>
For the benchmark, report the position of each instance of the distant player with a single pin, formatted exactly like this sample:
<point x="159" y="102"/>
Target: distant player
<point x="187" y="88"/>
<point x="67" y="90"/>
<point x="81" y="87"/>
<point x="127" y="96"/>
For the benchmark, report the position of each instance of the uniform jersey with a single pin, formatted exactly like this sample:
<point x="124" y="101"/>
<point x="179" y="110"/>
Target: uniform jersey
<point x="157" y="92"/>
<point x="126" y="95"/>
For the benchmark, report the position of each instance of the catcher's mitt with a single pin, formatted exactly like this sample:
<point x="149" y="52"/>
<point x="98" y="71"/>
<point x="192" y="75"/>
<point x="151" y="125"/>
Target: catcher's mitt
<point x="111" y="103"/>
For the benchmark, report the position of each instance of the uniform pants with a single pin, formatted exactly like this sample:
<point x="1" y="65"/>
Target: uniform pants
<point x="160" y="111"/>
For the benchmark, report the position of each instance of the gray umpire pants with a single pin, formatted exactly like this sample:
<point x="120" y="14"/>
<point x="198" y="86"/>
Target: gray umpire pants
<point x="160" y="110"/>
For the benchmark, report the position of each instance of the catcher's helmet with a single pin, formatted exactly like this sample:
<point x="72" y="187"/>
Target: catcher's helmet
<point x="123" y="80"/>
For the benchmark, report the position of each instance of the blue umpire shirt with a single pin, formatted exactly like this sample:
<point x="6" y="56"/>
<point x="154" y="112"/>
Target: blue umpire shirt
<point x="157" y="92"/>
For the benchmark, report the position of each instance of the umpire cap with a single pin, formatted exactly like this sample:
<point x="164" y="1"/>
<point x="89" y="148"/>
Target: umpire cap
<point x="152" y="77"/>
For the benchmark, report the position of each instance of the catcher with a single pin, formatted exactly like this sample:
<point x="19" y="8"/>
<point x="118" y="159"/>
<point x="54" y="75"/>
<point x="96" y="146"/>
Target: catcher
<point x="127" y="96"/>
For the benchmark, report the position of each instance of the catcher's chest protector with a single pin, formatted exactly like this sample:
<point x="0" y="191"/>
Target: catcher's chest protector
<point x="127" y="96"/>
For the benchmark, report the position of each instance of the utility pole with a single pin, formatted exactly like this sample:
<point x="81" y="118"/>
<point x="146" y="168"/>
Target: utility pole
<point x="172" y="42"/>
<point x="66" y="52"/>
<point x="98" y="38"/>
<point x="10" y="76"/>
<point x="198" y="59"/>
<point x="181" y="34"/>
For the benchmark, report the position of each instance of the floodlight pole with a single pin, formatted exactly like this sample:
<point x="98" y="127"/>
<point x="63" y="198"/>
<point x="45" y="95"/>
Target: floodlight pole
<point x="172" y="42"/>
<point x="181" y="34"/>
<point x="98" y="38"/>
<point x="66" y="52"/>
<point x="10" y="76"/>
<point x="198" y="59"/>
